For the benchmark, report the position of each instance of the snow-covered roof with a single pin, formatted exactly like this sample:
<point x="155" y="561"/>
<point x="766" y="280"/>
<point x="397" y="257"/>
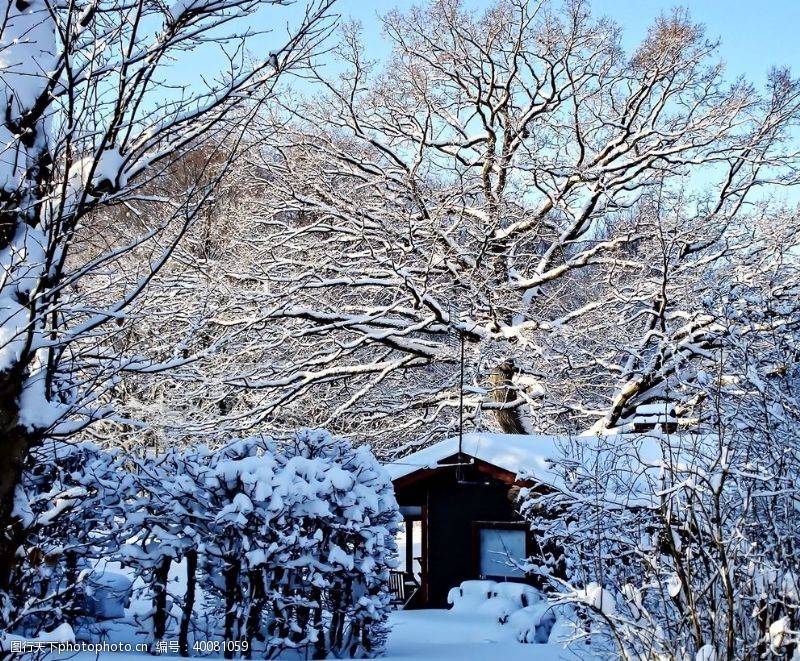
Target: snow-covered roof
<point x="632" y="463"/>
<point x="515" y="453"/>
<point x="656" y="408"/>
<point x="635" y="459"/>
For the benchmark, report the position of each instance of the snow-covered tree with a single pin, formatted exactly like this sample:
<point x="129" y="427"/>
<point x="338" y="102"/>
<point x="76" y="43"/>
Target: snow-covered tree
<point x="91" y="113"/>
<point x="510" y="177"/>
<point x="684" y="545"/>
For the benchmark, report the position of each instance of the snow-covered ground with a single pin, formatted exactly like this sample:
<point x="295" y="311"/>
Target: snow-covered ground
<point x="443" y="634"/>
<point x="430" y="635"/>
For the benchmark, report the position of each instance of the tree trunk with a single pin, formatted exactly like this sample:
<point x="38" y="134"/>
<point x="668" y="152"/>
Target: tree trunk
<point x="20" y="207"/>
<point x="160" y="580"/>
<point x="511" y="420"/>
<point x="16" y="444"/>
<point x="255" y="608"/>
<point x="320" y="646"/>
<point x="231" y="601"/>
<point x="188" y="601"/>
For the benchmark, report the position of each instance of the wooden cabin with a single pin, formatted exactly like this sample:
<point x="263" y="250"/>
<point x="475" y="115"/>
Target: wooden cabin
<point x="459" y="511"/>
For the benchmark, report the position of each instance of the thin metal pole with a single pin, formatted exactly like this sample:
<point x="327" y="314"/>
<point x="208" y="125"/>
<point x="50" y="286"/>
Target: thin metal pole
<point x="461" y="399"/>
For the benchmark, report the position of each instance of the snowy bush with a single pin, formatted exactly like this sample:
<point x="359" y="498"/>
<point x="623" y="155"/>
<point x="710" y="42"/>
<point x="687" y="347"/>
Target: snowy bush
<point x="685" y="546"/>
<point x="520" y="594"/>
<point x="533" y="624"/>
<point x="504" y="600"/>
<point x="706" y="562"/>
<point x="470" y="595"/>
<point x="290" y="544"/>
<point x="307" y="531"/>
<point x="517" y="605"/>
<point x="164" y="523"/>
<point x="69" y="504"/>
<point x="284" y="545"/>
<point x="498" y="608"/>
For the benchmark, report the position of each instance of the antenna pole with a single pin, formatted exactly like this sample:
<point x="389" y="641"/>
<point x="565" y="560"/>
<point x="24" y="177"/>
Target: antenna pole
<point x="461" y="398"/>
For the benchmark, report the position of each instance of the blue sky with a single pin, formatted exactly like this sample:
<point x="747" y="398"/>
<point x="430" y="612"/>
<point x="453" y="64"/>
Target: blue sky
<point x="754" y="35"/>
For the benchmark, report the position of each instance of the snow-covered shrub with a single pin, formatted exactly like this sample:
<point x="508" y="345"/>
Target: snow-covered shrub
<point x="685" y="546"/>
<point x="69" y="504"/>
<point x="516" y="605"/>
<point x="520" y="594"/>
<point x="504" y="599"/>
<point x="289" y="543"/>
<point x="283" y="545"/>
<point x="498" y="608"/>
<point x="491" y="597"/>
<point x="304" y="543"/>
<point x="533" y="624"/>
<point x="165" y="523"/>
<point x="704" y="558"/>
<point x="470" y="595"/>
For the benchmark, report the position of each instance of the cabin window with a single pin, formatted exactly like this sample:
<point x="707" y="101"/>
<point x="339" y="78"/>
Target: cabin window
<point x="498" y="547"/>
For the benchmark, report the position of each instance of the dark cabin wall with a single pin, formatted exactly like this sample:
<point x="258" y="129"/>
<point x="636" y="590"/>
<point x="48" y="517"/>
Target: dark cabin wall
<point x="452" y="506"/>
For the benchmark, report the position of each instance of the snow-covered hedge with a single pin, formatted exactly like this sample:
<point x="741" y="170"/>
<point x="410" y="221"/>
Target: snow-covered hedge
<point x="281" y="544"/>
<point x="69" y="506"/>
<point x="307" y="532"/>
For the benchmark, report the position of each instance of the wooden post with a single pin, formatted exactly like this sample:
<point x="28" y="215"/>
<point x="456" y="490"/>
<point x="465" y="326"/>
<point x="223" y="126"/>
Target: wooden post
<point x="409" y="525"/>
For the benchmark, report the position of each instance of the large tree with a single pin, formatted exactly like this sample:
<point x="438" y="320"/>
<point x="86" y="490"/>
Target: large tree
<point x="91" y="113"/>
<point x="510" y="178"/>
